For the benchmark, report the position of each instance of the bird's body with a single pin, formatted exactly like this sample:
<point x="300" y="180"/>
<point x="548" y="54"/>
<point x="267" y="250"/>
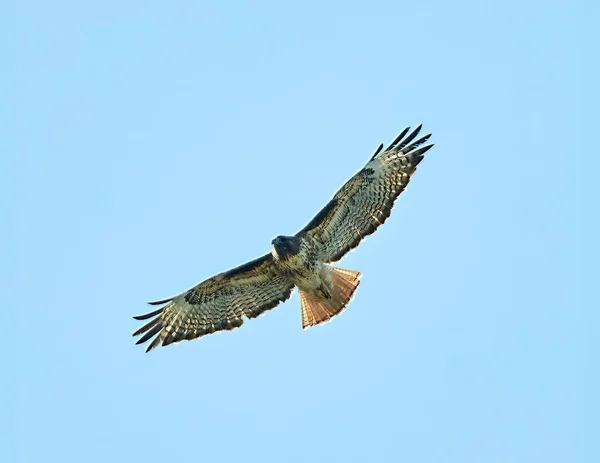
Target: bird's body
<point x="301" y="260"/>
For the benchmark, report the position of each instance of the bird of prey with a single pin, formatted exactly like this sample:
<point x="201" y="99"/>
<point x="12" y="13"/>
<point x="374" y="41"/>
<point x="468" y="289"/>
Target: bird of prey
<point x="302" y="260"/>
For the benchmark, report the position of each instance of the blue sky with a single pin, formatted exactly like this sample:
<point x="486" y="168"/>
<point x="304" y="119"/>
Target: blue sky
<point x="159" y="143"/>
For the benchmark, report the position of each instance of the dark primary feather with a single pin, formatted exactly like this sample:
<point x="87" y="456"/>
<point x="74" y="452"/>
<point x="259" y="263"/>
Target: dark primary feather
<point x="151" y="314"/>
<point x="147" y="326"/>
<point x="397" y="139"/>
<point x="408" y="139"/>
<point x="156" y="328"/>
<point x="164" y="301"/>
<point x="418" y="154"/>
<point x="416" y="144"/>
<point x="318" y="219"/>
<point x="377" y="152"/>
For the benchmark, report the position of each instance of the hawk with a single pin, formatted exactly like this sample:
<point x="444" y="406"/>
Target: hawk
<point x="302" y="260"/>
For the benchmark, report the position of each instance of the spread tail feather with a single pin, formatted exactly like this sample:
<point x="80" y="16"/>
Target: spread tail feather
<point x="317" y="310"/>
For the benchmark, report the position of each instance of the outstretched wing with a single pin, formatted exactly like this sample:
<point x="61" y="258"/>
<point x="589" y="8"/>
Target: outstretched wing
<point x="219" y="303"/>
<point x="366" y="200"/>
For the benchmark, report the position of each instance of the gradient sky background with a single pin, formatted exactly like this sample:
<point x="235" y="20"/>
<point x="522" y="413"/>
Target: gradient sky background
<point x="159" y="143"/>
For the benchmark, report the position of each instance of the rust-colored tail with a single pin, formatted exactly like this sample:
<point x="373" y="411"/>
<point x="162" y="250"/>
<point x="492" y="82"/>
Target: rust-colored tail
<point x="318" y="310"/>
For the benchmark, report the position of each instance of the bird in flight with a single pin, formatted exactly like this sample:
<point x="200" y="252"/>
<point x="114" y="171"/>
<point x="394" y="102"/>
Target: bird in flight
<point x="302" y="260"/>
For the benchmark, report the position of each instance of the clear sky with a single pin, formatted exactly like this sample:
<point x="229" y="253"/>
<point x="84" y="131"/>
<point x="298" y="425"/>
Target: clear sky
<point x="159" y="143"/>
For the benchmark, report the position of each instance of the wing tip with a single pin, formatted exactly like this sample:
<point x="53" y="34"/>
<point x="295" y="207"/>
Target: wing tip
<point x="156" y="312"/>
<point x="401" y="141"/>
<point x="377" y="152"/>
<point x="149" y="315"/>
<point x="151" y="329"/>
<point x="398" y="138"/>
<point x="164" y="301"/>
<point x="153" y="344"/>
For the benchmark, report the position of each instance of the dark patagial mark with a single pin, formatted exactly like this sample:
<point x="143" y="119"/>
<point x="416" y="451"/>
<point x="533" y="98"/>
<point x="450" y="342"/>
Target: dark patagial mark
<point x="367" y="172"/>
<point x="320" y="217"/>
<point x="248" y="266"/>
<point x="192" y="297"/>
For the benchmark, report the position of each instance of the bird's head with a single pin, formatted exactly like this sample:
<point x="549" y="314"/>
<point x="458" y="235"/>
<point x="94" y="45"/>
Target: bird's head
<point x="286" y="245"/>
